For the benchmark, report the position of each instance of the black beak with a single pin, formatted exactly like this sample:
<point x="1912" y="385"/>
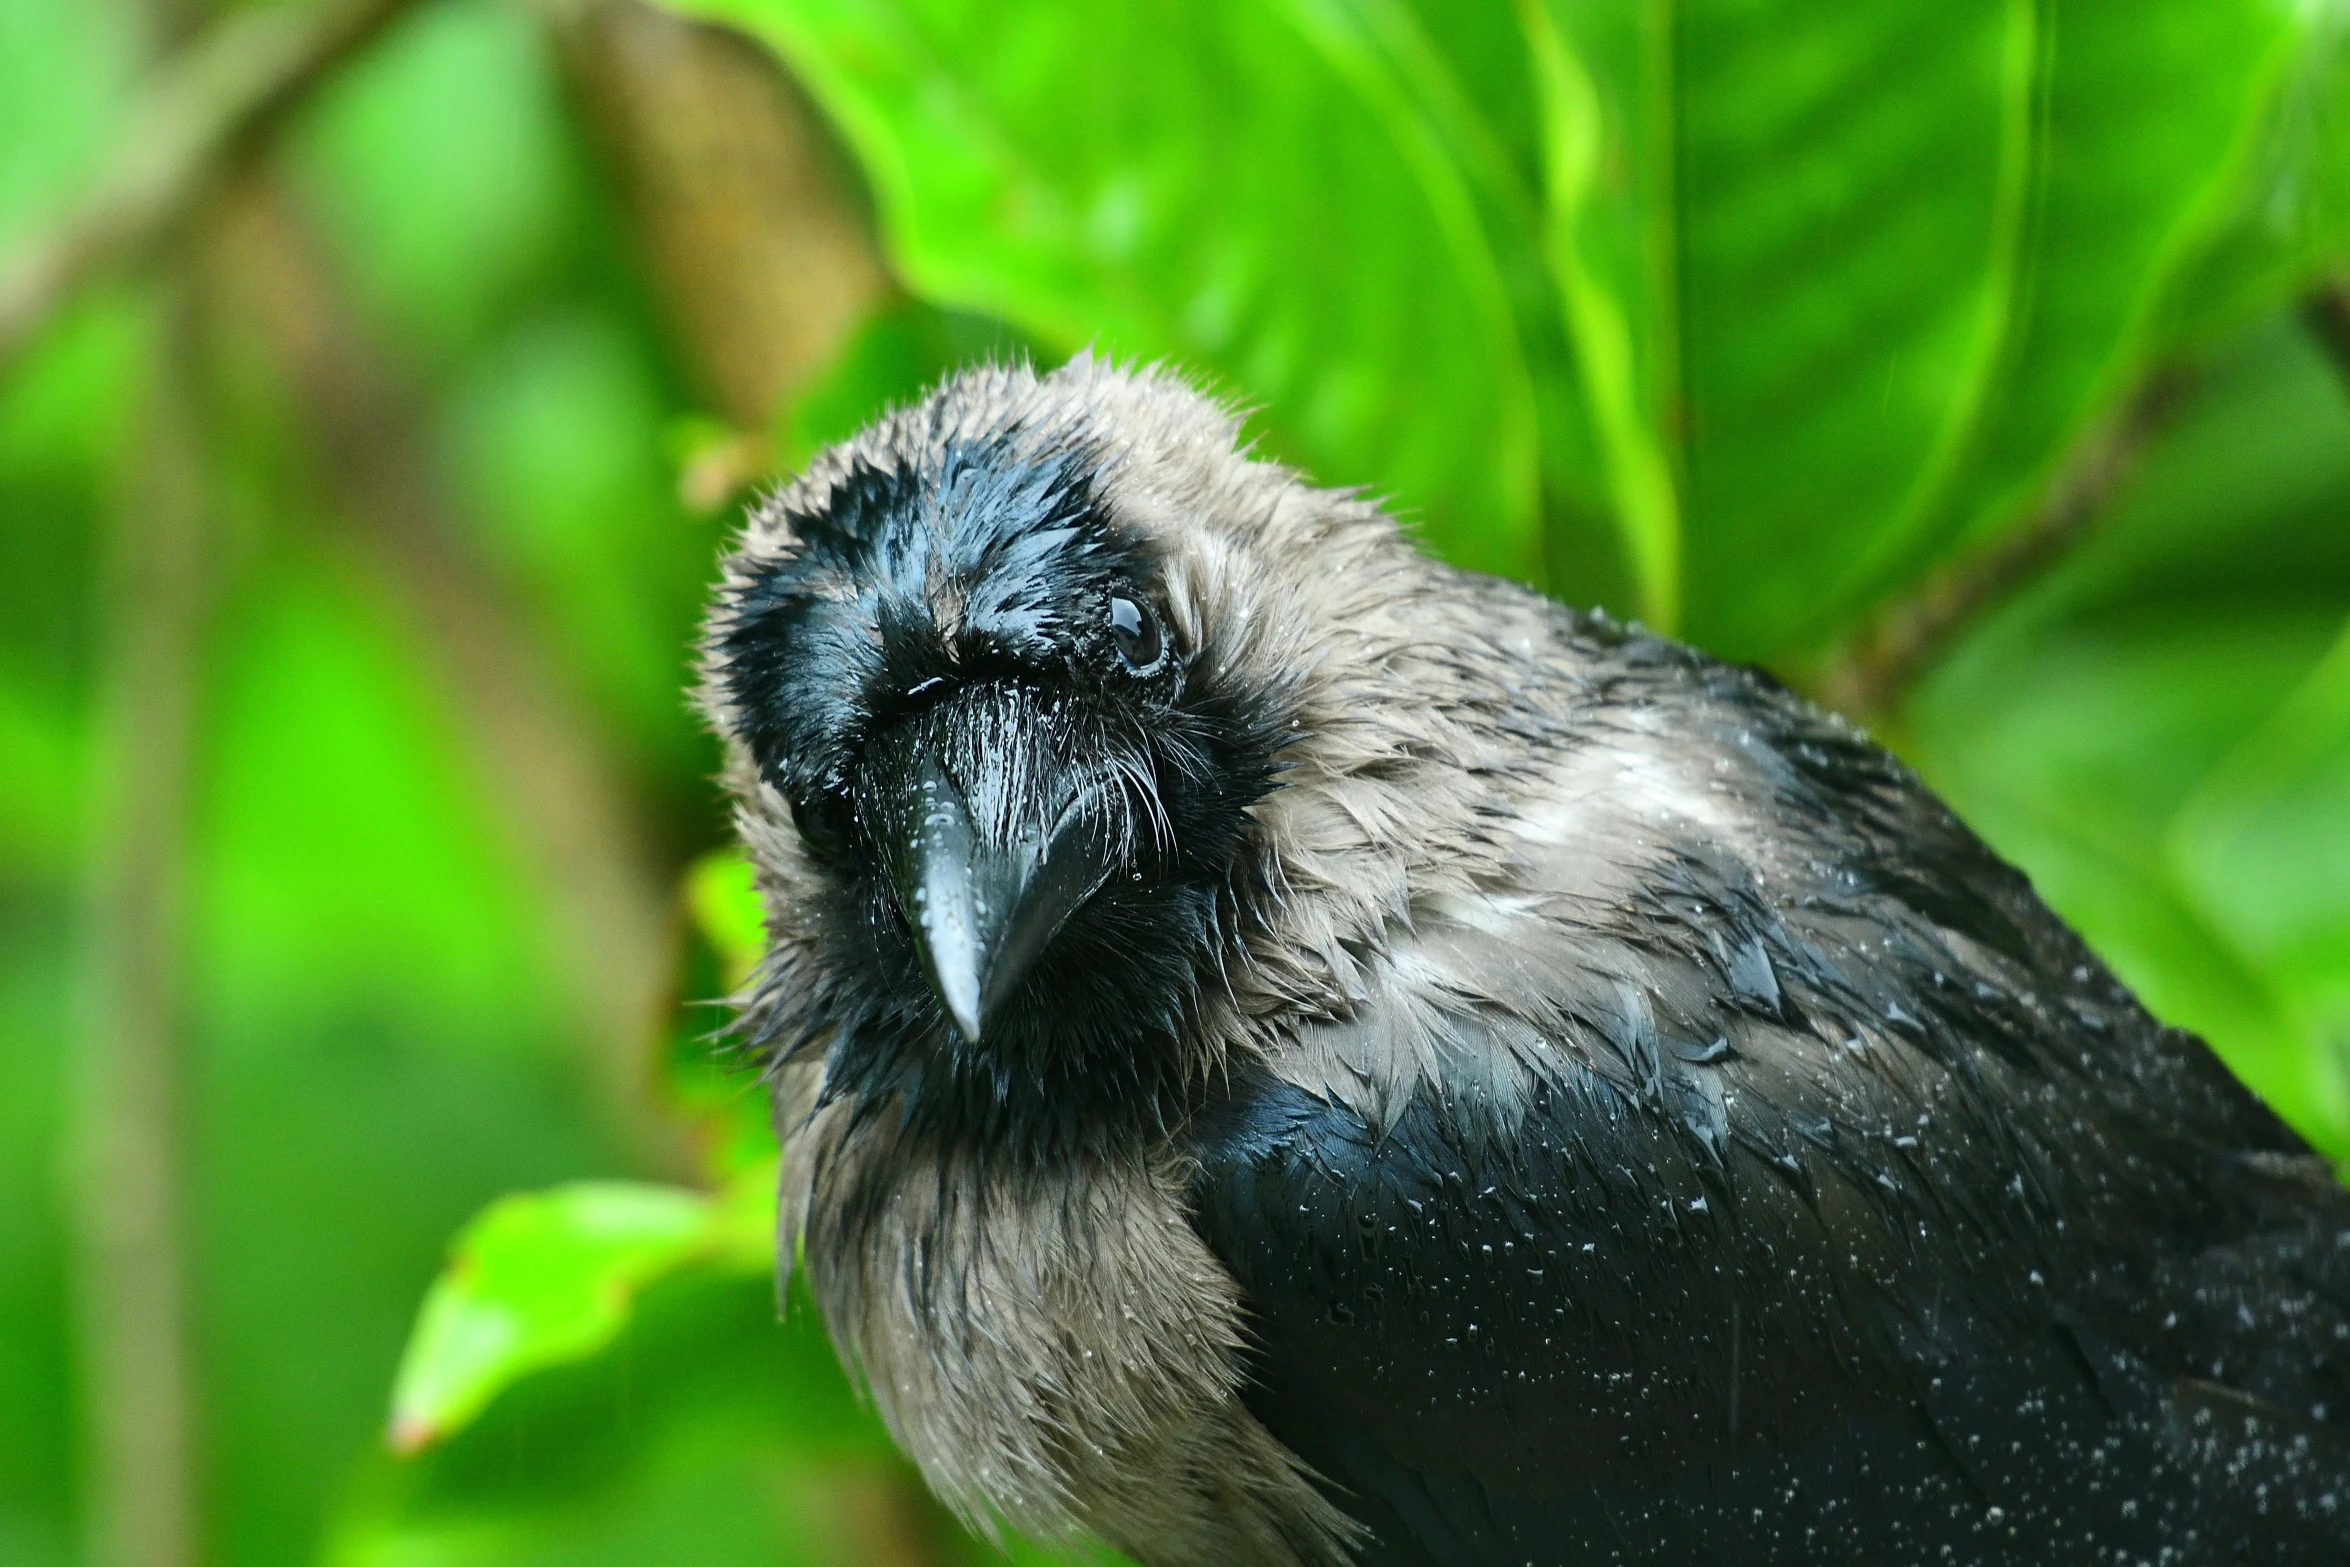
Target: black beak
<point x="986" y="868"/>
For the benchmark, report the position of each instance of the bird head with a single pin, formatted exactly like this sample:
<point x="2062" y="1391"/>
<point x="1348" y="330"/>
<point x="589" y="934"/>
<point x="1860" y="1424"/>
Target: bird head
<point x="1004" y="680"/>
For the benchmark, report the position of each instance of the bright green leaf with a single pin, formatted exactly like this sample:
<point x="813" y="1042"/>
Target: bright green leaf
<point x="724" y="901"/>
<point x="1613" y="277"/>
<point x="1887" y="260"/>
<point x="549" y="1277"/>
<point x="1799" y="297"/>
<point x="2121" y="200"/>
<point x="1847" y="211"/>
<point x="2285" y="213"/>
<point x="710" y="1435"/>
<point x="1250" y="189"/>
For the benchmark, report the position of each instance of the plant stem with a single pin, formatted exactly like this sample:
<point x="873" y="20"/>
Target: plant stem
<point x="129" y="1142"/>
<point x="751" y="221"/>
<point x="1875" y="672"/>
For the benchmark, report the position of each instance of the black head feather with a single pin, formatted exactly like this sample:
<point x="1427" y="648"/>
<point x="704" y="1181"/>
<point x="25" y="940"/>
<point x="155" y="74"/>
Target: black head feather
<point x="979" y="606"/>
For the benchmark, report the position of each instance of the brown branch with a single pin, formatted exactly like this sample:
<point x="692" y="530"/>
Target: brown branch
<point x="212" y="100"/>
<point x="605" y="880"/>
<point x="875" y="1514"/>
<point x="750" y="219"/>
<point x="131" y="1278"/>
<point x="2325" y="310"/>
<point x="1874" y="673"/>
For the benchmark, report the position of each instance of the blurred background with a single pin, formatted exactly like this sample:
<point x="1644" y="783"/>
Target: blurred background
<point x="379" y="380"/>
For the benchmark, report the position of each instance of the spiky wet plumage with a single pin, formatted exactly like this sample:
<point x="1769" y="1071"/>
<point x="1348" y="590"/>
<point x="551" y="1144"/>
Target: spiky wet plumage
<point x="1531" y="1094"/>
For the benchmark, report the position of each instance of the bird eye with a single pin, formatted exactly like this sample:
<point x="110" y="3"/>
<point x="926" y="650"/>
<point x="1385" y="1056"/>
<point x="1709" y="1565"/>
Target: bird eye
<point x="1135" y="631"/>
<point x="827" y="825"/>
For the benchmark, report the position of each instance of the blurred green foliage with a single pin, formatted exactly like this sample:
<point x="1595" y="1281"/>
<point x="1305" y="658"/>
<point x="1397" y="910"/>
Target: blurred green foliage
<point x="1733" y="315"/>
<point x="2155" y="730"/>
<point x="1739" y="315"/>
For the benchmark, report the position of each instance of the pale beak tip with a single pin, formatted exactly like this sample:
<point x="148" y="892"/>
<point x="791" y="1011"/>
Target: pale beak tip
<point x="954" y="955"/>
<point x="962" y="1003"/>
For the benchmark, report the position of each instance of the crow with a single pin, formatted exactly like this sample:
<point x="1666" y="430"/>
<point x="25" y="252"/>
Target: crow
<point x="1290" y="1053"/>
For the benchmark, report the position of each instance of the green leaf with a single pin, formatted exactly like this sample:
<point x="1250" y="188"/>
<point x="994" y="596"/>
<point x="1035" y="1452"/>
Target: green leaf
<point x="2287" y="215"/>
<point x="1849" y="193"/>
<point x="2121" y="200"/>
<point x="723" y="897"/>
<point x="1863" y="272"/>
<point x="707" y="1434"/>
<point x="1251" y="189"/>
<point x="544" y="1278"/>
<point x="1613" y="270"/>
<point x="1797" y="298"/>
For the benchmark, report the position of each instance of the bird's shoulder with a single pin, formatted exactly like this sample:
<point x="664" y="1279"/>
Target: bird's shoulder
<point x="1739" y="1094"/>
<point x="1689" y="908"/>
